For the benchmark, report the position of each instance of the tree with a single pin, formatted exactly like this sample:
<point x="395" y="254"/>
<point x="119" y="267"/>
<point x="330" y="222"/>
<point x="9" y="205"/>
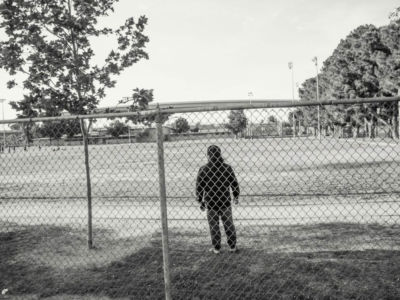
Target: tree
<point x="15" y="126"/>
<point x="272" y="119"/>
<point x="196" y="127"/>
<point x="237" y="121"/>
<point x="356" y="69"/>
<point x="394" y="16"/>
<point x="390" y="72"/>
<point x="140" y="100"/>
<point x="49" y="42"/>
<point x="57" y="129"/>
<point x="117" y="128"/>
<point x="364" y="64"/>
<point x="181" y="125"/>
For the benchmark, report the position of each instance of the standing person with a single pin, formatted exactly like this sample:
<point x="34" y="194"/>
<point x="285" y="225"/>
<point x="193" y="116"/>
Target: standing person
<point x="213" y="184"/>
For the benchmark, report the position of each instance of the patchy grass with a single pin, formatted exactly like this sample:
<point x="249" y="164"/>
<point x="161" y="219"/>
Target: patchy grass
<point x="34" y="262"/>
<point x="332" y="261"/>
<point x="263" y="166"/>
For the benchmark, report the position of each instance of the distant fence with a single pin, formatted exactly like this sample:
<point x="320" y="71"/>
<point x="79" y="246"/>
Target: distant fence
<point x="329" y="168"/>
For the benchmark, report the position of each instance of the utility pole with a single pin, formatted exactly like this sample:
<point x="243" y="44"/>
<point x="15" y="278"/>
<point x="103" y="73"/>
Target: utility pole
<point x="250" y="95"/>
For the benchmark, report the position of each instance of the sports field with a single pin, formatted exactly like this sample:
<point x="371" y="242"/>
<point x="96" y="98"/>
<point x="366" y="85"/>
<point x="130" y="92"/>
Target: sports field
<point x="283" y="181"/>
<point x="299" y="196"/>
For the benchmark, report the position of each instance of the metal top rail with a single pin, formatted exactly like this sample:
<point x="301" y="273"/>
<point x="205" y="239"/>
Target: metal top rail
<point x="207" y="106"/>
<point x="187" y="104"/>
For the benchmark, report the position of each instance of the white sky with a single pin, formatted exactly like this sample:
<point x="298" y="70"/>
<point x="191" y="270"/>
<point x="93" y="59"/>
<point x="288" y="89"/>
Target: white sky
<point x="223" y="49"/>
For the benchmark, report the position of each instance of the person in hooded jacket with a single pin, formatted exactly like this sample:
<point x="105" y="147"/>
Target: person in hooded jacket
<point x="214" y="184"/>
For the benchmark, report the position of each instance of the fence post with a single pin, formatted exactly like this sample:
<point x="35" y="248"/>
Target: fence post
<point x="163" y="205"/>
<point x="89" y="186"/>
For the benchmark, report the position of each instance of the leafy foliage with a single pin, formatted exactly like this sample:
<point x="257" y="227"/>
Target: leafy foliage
<point x="57" y="129"/>
<point x="117" y="128"/>
<point x="196" y="127"/>
<point x="49" y="42"/>
<point x="272" y="119"/>
<point x="365" y="64"/>
<point x="237" y="121"/>
<point x="181" y="125"/>
<point x="394" y="16"/>
<point x="141" y="98"/>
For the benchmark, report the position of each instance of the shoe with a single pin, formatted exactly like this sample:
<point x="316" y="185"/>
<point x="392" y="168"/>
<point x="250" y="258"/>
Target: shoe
<point x="233" y="250"/>
<point x="215" y="251"/>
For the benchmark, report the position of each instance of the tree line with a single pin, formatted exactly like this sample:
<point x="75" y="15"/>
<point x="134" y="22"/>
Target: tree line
<point x="365" y="64"/>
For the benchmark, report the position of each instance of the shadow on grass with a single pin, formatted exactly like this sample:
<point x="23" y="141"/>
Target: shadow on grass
<point x="256" y="273"/>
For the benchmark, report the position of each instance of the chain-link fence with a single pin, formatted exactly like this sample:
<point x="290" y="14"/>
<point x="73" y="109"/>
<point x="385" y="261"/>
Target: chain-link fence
<point x="305" y="196"/>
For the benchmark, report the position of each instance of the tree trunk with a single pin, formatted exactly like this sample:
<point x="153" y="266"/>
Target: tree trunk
<point x="27" y="133"/>
<point x="354" y="131"/>
<point x="299" y="132"/>
<point x="366" y="132"/>
<point x="395" y="122"/>
<point x="372" y="129"/>
<point x="389" y="132"/>
<point x="337" y="131"/>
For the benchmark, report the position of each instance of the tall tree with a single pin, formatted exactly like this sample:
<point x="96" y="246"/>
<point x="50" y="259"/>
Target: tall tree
<point x="57" y="129"/>
<point x="49" y="42"/>
<point x="181" y="125"/>
<point x="237" y="121"/>
<point x="117" y="128"/>
<point x="394" y="16"/>
<point x="140" y="100"/>
<point x="363" y="65"/>
<point x="389" y="72"/>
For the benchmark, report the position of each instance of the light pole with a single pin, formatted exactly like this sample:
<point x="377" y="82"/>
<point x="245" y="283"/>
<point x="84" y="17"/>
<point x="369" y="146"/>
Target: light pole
<point x="290" y="64"/>
<point x="4" y="128"/>
<point x="315" y="60"/>
<point x="250" y="95"/>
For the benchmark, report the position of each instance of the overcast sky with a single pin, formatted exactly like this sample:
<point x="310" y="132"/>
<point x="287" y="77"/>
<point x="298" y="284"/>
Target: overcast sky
<point x="224" y="49"/>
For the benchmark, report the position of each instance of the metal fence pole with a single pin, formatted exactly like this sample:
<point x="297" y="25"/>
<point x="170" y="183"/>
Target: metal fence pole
<point x="163" y="206"/>
<point x="89" y="186"/>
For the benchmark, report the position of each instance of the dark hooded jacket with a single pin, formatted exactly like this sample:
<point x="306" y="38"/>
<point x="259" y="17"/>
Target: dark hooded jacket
<point x="214" y="181"/>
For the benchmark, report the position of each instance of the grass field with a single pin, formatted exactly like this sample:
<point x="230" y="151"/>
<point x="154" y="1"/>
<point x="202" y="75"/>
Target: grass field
<point x="316" y="219"/>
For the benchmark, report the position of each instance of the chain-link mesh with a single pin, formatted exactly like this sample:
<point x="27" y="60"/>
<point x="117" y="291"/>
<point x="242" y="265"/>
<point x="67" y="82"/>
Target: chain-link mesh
<point x="44" y="215"/>
<point x="317" y="215"/>
<point x="262" y="204"/>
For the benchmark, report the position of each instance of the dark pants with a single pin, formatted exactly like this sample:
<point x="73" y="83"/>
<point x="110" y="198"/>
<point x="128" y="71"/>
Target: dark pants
<point x="213" y="221"/>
